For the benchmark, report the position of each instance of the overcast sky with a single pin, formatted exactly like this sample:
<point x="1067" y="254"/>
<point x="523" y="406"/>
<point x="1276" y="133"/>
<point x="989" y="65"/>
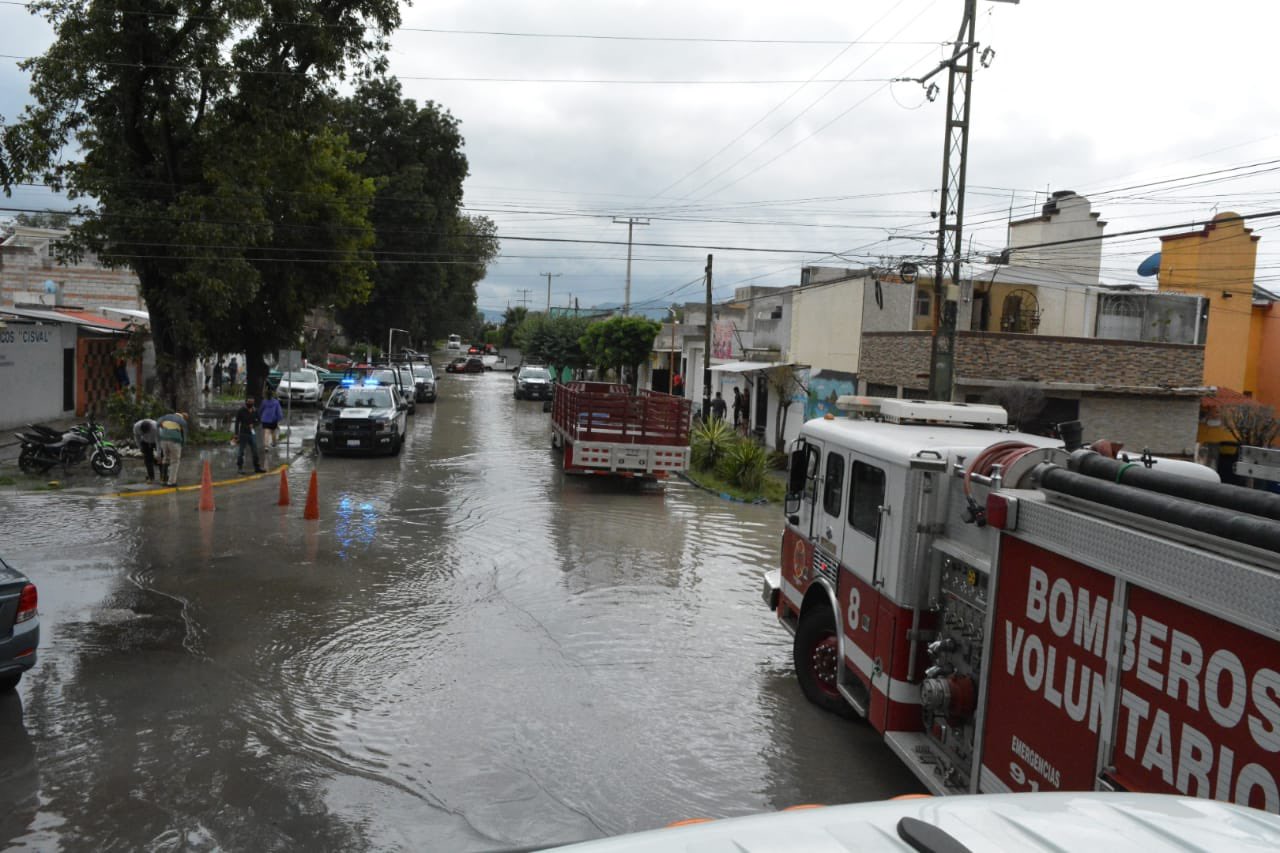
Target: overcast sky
<point x="1089" y="95"/>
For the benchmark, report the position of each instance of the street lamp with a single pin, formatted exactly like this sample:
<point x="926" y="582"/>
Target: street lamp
<point x="390" y="332"/>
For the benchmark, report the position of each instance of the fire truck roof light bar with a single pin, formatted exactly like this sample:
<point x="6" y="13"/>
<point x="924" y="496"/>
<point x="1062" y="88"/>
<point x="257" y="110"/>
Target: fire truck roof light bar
<point x="923" y="411"/>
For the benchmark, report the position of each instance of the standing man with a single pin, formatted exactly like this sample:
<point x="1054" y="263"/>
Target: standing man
<point x="270" y="415"/>
<point x="746" y="409"/>
<point x="718" y="407"/>
<point x="146" y="434"/>
<point x="246" y="420"/>
<point x="232" y="369"/>
<point x="173" y="435"/>
<point x="677" y="384"/>
<point x="217" y="376"/>
<point x="206" y="367"/>
<point x="737" y="407"/>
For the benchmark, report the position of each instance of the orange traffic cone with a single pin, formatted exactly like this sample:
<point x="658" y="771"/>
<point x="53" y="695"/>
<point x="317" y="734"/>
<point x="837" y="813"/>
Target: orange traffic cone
<point x="206" y="489"/>
<point x="312" y="509"/>
<point x="284" y="487"/>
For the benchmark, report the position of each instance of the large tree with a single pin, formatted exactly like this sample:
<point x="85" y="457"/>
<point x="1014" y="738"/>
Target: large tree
<point x="554" y="340"/>
<point x="137" y="106"/>
<point x="429" y="255"/>
<point x="621" y="343"/>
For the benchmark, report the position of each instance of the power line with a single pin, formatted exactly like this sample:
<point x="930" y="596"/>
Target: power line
<point x="512" y="34"/>
<point x="768" y="113"/>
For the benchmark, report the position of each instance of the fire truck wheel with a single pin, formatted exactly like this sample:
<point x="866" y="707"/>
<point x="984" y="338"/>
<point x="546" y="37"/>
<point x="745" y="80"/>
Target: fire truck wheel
<point x="817" y="660"/>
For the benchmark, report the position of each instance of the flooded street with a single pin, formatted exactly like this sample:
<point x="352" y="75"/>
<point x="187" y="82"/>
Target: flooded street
<point x="469" y="651"/>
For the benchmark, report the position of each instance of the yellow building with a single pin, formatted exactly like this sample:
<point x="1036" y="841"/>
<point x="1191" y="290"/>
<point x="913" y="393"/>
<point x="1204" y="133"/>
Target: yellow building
<point x="1218" y="264"/>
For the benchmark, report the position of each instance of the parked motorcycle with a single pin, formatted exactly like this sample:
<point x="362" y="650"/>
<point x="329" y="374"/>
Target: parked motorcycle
<point x="42" y="448"/>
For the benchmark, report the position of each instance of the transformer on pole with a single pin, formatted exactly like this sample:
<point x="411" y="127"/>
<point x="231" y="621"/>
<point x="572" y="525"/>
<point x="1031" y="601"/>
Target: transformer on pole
<point x="955" y="152"/>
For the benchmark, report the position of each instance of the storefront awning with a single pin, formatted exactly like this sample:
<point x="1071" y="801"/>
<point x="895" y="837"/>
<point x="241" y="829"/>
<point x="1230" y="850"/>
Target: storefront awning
<point x="83" y="319"/>
<point x="748" y="366"/>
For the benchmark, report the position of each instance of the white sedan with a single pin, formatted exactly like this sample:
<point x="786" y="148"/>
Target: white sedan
<point x="301" y="386"/>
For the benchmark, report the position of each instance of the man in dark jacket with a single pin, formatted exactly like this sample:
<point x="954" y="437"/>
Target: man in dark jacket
<point x="718" y="407"/>
<point x="246" y="420"/>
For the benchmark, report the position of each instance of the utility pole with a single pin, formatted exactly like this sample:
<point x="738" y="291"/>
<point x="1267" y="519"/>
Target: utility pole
<point x="524" y="297"/>
<point x="630" y="222"/>
<point x="955" y="153"/>
<point x="549" y="277"/>
<point x="706" y="354"/>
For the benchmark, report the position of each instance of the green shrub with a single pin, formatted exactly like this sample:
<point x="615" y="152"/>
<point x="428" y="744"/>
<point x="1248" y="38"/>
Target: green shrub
<point x="778" y="460"/>
<point x="122" y="411"/>
<point x="709" y="441"/>
<point x="744" y="464"/>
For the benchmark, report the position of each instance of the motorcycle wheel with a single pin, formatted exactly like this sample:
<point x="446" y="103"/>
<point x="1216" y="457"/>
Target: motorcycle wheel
<point x="31" y="463"/>
<point x="106" y="462"/>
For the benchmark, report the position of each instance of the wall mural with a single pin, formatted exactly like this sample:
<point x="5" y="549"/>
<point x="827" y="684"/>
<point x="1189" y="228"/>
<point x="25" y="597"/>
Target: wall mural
<point x="722" y="339"/>
<point x="825" y="387"/>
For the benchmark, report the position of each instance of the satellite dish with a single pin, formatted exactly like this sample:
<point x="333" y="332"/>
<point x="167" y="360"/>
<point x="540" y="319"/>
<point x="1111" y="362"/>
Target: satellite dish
<point x="1150" y="266"/>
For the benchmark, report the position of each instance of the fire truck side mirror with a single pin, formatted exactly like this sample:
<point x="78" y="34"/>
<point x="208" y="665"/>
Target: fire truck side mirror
<point x="797" y="471"/>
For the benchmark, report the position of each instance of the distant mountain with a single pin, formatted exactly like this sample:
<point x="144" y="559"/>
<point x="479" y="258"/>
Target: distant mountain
<point x="658" y="313"/>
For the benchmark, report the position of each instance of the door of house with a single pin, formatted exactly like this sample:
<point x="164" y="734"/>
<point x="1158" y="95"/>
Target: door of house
<point x="68" y="379"/>
<point x="762" y="404"/>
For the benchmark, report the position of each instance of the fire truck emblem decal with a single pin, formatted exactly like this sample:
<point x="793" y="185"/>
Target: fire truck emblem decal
<point x="798" y="563"/>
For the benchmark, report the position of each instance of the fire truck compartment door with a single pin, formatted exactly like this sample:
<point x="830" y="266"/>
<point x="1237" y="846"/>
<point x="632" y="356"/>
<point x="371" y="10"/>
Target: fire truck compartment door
<point x="882" y="666"/>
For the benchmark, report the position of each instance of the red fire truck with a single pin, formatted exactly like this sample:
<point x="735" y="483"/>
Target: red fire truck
<point x="1016" y="613"/>
<point x="605" y="429"/>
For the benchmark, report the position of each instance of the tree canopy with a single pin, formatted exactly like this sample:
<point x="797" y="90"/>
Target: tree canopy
<point x="555" y="340"/>
<point x="620" y="342"/>
<point x="190" y="135"/>
<point x="511" y="320"/>
<point x="429" y="254"/>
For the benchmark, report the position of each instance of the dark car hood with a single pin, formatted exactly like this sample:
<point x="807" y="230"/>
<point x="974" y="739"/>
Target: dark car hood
<point x="355" y="413"/>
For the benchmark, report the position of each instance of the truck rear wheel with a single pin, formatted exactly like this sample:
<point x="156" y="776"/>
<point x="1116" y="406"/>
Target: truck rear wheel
<point x="817" y="660"/>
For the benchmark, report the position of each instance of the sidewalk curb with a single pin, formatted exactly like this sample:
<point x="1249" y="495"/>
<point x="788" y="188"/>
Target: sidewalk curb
<point x="169" y="490"/>
<point x="724" y="496"/>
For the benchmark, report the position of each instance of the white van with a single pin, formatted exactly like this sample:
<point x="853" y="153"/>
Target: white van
<point x="455" y="343"/>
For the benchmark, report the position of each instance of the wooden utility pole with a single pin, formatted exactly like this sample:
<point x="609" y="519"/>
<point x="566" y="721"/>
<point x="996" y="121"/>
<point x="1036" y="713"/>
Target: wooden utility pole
<point x="549" y="277"/>
<point x="706" y="354"/>
<point x="631" y="222"/>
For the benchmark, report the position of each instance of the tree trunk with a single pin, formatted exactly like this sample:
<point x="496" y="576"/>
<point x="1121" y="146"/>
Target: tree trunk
<point x="780" y="425"/>
<point x="175" y="368"/>
<point x="255" y="372"/>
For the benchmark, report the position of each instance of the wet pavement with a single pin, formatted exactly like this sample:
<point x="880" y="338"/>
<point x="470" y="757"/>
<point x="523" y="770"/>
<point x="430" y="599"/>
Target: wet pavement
<point x="468" y="651"/>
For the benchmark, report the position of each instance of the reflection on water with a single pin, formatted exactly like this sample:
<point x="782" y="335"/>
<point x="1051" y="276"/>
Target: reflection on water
<point x="357" y="524"/>
<point x="467" y="651"/>
<point x="19" y="774"/>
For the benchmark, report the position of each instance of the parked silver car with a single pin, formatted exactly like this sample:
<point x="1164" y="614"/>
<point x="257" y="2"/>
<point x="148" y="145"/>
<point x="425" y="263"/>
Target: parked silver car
<point x="19" y="626"/>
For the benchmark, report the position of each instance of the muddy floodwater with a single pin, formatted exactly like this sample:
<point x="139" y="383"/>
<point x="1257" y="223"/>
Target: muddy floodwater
<point x="468" y="651"/>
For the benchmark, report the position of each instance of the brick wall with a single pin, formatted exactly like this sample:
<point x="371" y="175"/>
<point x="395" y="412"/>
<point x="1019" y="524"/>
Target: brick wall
<point x="86" y="284"/>
<point x="1165" y="425"/>
<point x="902" y="358"/>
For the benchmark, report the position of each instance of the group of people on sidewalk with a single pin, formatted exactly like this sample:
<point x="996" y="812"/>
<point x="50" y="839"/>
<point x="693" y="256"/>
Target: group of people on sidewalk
<point x="161" y="439"/>
<point x="216" y="372"/>
<point x="250" y="416"/>
<point x="741" y="408"/>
